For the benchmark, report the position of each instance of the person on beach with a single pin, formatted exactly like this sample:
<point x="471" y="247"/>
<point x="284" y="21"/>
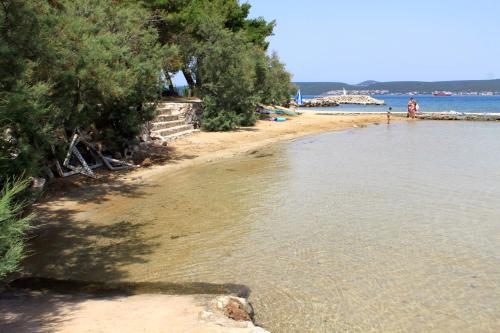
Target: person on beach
<point x="412" y="106"/>
<point x="389" y="115"/>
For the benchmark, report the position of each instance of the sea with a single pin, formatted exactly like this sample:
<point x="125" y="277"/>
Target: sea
<point x="390" y="228"/>
<point x="428" y="103"/>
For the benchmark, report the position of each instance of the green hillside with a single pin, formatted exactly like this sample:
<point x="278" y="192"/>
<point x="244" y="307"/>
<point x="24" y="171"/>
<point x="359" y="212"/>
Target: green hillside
<point x="317" y="88"/>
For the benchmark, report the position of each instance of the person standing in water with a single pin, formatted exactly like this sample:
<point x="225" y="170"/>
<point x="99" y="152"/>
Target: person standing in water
<point x="412" y="105"/>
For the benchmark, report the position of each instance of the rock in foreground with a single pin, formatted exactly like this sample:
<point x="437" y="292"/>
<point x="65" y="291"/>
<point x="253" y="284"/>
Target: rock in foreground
<point x="231" y="312"/>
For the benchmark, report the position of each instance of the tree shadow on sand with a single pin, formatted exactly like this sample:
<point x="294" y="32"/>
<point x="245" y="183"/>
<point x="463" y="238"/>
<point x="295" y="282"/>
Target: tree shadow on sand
<point x="81" y="250"/>
<point x="26" y="312"/>
<point x="64" y="245"/>
<point x="67" y="251"/>
<point x="87" y="190"/>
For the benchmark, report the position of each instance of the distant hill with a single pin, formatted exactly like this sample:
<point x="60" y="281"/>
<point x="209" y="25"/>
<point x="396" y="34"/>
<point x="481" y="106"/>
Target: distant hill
<point x="367" y="83"/>
<point x="318" y="88"/>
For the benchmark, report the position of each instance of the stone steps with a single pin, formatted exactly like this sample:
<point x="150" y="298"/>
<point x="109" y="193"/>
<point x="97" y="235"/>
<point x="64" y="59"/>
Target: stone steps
<point x="170" y="122"/>
<point x="164" y="118"/>
<point x="163" y="111"/>
<point x="160" y="125"/>
<point x="172" y="130"/>
<point x="178" y="135"/>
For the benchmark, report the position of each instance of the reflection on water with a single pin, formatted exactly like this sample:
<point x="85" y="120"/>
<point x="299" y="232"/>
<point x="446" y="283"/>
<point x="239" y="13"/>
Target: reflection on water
<point x="387" y="229"/>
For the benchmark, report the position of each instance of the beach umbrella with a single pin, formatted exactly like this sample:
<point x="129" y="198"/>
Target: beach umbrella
<point x="298" y="98"/>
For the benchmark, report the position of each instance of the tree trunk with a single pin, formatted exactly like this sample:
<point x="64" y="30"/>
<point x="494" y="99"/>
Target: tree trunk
<point x="74" y="111"/>
<point x="189" y="78"/>
<point x="171" y="89"/>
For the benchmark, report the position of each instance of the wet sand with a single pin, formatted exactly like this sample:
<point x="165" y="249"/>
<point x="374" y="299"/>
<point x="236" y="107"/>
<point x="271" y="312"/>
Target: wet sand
<point x="205" y="147"/>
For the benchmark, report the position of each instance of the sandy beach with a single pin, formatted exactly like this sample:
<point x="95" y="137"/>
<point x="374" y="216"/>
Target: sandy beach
<point x="206" y="147"/>
<point x="203" y="147"/>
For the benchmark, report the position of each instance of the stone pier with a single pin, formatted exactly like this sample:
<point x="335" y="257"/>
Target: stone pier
<point x="337" y="100"/>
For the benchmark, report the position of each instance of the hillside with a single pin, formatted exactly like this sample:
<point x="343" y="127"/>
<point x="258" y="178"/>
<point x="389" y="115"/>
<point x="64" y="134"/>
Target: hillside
<point x="367" y="83"/>
<point x="317" y="88"/>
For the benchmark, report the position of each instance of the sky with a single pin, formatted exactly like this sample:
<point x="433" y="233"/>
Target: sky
<point x="384" y="40"/>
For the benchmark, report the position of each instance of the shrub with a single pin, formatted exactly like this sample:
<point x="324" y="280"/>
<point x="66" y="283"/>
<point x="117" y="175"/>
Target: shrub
<point x="227" y="74"/>
<point x="13" y="226"/>
<point x="273" y="81"/>
<point x="90" y="64"/>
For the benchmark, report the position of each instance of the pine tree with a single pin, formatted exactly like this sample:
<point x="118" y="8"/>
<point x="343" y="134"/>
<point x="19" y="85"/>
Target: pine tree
<point x="88" y="64"/>
<point x="13" y="226"/>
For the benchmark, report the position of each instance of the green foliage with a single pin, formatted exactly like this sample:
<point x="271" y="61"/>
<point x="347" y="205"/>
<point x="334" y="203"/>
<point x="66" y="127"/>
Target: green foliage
<point x="27" y="124"/>
<point x="26" y="117"/>
<point x="190" y="23"/>
<point x="222" y="56"/>
<point x="89" y="64"/>
<point x="257" y="30"/>
<point x="94" y="65"/>
<point x="224" y="61"/>
<point x="108" y="67"/>
<point x="273" y="81"/>
<point x="227" y="72"/>
<point x="235" y="77"/>
<point x="13" y="226"/>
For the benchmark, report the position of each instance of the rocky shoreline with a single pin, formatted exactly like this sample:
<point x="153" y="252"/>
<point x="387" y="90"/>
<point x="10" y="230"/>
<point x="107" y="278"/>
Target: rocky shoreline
<point x="343" y="99"/>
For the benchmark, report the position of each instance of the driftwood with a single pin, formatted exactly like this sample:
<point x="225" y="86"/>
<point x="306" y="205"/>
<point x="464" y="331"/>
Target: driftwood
<point x="84" y="168"/>
<point x="113" y="164"/>
<point x="62" y="173"/>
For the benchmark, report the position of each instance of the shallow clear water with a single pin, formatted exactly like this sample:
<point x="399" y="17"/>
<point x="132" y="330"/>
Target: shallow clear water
<point x="467" y="104"/>
<point x="390" y="228"/>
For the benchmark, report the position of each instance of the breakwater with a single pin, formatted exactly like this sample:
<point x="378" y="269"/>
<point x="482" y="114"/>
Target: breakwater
<point x="337" y="100"/>
<point x="459" y="116"/>
<point x="422" y="115"/>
